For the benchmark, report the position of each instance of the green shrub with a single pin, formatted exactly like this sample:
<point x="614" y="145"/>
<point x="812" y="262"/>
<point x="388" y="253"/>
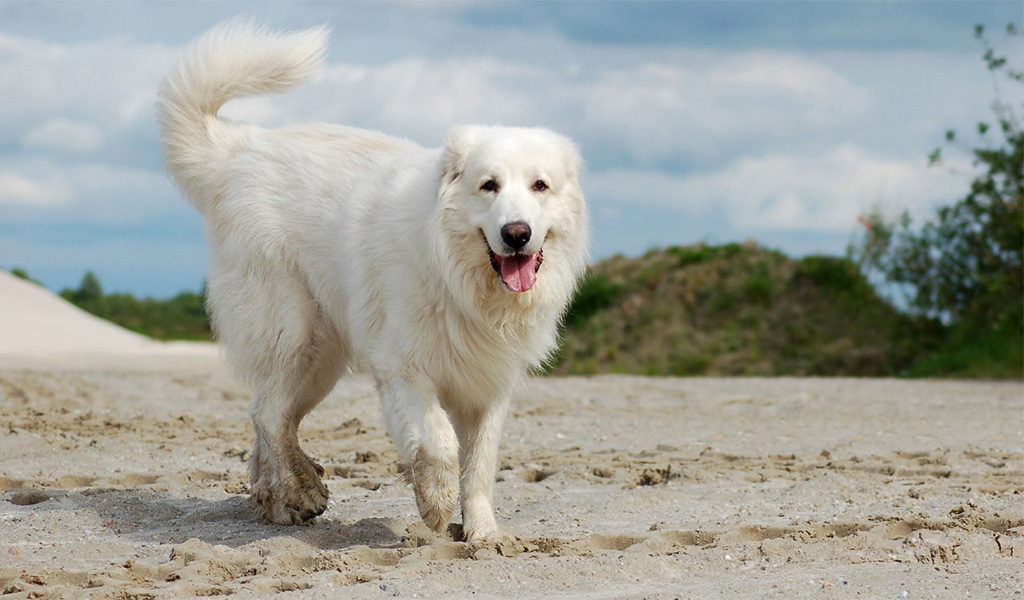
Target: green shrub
<point x="690" y="255"/>
<point x="759" y="287"/>
<point x="594" y="293"/>
<point x="835" y="274"/>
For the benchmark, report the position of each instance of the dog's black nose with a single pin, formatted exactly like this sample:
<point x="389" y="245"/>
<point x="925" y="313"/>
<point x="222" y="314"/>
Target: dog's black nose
<point x="516" y="235"/>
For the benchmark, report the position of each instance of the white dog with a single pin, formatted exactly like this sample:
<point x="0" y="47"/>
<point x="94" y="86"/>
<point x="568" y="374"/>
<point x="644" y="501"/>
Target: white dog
<point x="442" y="272"/>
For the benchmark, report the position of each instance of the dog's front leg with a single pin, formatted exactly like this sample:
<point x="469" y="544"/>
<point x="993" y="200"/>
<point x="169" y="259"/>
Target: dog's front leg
<point x="426" y="440"/>
<point x="479" y="435"/>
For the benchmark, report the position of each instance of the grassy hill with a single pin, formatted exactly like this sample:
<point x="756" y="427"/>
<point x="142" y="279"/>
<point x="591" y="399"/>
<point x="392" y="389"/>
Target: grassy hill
<point x="734" y="310"/>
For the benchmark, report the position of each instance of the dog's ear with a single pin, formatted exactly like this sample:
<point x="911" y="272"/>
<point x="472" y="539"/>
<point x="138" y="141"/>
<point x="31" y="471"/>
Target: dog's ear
<point x="572" y="160"/>
<point x="457" y="145"/>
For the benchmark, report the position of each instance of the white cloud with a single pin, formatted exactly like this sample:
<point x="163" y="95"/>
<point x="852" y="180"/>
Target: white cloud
<point x="789" y="72"/>
<point x="113" y="194"/>
<point x="821" y="193"/>
<point x="413" y="97"/>
<point x="25" y="190"/>
<point x="708" y="107"/>
<point x="107" y="85"/>
<point x="643" y="107"/>
<point x="627" y="186"/>
<point x="652" y="86"/>
<point x="688" y="104"/>
<point x="65" y="134"/>
<point x="45" y="191"/>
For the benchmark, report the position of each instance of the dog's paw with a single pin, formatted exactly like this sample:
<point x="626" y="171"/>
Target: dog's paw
<point x="478" y="527"/>
<point x="480" y="534"/>
<point x="291" y="499"/>
<point x="291" y="504"/>
<point x="436" y="484"/>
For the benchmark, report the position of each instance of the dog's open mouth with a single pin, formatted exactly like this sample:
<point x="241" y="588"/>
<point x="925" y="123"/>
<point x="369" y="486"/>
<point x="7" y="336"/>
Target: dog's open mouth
<point x="518" y="271"/>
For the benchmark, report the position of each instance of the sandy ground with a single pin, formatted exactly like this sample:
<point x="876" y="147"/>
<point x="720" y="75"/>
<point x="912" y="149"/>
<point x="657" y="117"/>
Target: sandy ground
<point x="126" y="479"/>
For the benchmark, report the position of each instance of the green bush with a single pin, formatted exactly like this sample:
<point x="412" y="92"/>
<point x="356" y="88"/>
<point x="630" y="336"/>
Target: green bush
<point x="759" y="287"/>
<point x="689" y="255"/>
<point x="835" y="274"/>
<point x="594" y="293"/>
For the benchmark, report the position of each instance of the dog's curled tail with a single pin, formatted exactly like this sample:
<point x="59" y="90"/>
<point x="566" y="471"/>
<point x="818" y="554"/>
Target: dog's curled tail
<point x="234" y="59"/>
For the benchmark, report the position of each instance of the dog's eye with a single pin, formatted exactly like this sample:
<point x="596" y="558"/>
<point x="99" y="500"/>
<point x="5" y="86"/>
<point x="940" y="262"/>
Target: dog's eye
<point x="539" y="185"/>
<point x="489" y="186"/>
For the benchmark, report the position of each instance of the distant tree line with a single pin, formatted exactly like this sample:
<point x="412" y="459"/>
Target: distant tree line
<point x="182" y="317"/>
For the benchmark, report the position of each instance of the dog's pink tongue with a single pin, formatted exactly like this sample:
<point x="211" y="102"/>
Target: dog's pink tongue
<point x="519" y="271"/>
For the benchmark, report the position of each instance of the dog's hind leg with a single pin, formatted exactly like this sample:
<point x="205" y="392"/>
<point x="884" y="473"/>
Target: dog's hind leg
<point x="479" y="430"/>
<point x="286" y="483"/>
<point x="426" y="440"/>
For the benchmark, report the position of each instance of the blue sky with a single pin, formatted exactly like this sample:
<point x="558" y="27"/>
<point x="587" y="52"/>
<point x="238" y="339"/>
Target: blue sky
<point x="700" y="121"/>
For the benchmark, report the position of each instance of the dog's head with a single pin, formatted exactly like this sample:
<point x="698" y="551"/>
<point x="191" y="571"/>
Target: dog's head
<point x="516" y="191"/>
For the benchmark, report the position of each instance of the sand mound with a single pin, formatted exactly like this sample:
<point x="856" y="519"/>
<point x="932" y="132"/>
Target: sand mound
<point x="35" y="323"/>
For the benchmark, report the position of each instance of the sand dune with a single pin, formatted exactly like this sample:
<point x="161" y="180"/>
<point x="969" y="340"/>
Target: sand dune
<point x="37" y="324"/>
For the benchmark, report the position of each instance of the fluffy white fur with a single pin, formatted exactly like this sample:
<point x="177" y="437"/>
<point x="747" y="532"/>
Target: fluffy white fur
<point x="336" y="248"/>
